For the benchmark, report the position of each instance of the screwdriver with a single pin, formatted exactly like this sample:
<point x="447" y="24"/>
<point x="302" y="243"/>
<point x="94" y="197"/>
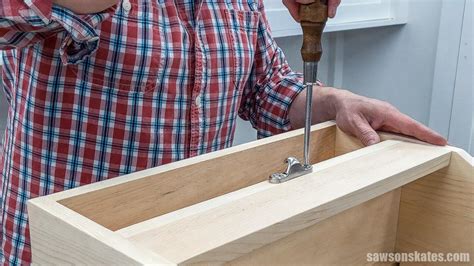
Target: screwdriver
<point x="313" y="19"/>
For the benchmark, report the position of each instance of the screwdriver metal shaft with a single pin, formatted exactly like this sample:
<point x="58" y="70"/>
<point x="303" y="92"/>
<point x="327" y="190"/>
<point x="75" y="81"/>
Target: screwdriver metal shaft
<point x="310" y="79"/>
<point x="313" y="20"/>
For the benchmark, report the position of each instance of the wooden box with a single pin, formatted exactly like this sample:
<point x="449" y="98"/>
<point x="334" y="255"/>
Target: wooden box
<point x="396" y="196"/>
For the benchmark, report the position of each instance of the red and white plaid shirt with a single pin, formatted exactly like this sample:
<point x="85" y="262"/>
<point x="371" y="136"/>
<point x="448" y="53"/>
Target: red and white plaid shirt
<point x="139" y="85"/>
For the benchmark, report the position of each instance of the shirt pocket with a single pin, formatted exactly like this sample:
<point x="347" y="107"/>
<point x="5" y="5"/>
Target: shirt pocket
<point x="244" y="29"/>
<point x="229" y="37"/>
<point x="128" y="58"/>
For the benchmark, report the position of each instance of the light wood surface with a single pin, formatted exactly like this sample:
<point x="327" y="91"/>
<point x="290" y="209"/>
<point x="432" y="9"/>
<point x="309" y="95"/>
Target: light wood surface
<point x="216" y="209"/>
<point x="437" y="211"/>
<point x="198" y="180"/>
<point x="344" y="239"/>
<point x="346" y="143"/>
<point x="60" y="236"/>
<point x="240" y="226"/>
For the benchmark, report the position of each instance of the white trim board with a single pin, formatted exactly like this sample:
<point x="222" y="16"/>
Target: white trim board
<point x="352" y="14"/>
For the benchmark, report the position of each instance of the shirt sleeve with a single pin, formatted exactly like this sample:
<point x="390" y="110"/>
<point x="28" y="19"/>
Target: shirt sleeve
<point x="272" y="86"/>
<point x="25" y="22"/>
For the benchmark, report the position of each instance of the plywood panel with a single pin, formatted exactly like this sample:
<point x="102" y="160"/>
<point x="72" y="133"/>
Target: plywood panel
<point x="60" y="236"/>
<point x="233" y="229"/>
<point x="199" y="180"/>
<point x="344" y="239"/>
<point x="346" y="143"/>
<point x="197" y="211"/>
<point x="437" y="211"/>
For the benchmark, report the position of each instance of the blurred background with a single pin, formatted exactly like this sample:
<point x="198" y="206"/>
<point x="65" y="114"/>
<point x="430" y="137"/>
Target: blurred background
<point x="415" y="54"/>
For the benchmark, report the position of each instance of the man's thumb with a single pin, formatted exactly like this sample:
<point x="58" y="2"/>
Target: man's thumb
<point x="366" y="133"/>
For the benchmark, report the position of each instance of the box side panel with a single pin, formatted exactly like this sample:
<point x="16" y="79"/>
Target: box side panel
<point x="345" y="143"/>
<point x="344" y="239"/>
<point x="240" y="226"/>
<point x="437" y="211"/>
<point x="61" y="238"/>
<point x="129" y="203"/>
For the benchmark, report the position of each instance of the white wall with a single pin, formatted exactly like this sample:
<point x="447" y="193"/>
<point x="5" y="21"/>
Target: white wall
<point x="396" y="64"/>
<point x="453" y="87"/>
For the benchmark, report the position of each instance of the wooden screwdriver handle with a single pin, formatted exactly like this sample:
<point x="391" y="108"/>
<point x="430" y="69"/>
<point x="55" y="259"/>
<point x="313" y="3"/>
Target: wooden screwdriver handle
<point x="313" y="19"/>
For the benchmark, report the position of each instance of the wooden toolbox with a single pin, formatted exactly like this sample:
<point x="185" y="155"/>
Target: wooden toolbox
<point x="396" y="196"/>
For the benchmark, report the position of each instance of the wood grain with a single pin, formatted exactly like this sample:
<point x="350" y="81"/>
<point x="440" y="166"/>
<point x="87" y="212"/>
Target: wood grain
<point x="198" y="179"/>
<point x="344" y="239"/>
<point x="346" y="143"/>
<point x="215" y="209"/>
<point x="231" y="230"/>
<point x="60" y="236"/>
<point x="437" y="211"/>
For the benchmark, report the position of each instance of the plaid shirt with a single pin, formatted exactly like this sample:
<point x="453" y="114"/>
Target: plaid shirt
<point x="139" y="85"/>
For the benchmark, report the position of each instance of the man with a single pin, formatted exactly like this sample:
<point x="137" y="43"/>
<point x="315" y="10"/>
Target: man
<point x="98" y="90"/>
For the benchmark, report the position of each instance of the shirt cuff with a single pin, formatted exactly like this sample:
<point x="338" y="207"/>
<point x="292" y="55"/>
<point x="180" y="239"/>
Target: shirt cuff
<point x="36" y="13"/>
<point x="82" y="37"/>
<point x="277" y="105"/>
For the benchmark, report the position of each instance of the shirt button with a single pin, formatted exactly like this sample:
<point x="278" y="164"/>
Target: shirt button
<point x="126" y="6"/>
<point x="198" y="100"/>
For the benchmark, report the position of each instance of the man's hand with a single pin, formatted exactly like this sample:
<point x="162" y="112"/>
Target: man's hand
<point x="293" y="6"/>
<point x="86" y="6"/>
<point x="360" y="116"/>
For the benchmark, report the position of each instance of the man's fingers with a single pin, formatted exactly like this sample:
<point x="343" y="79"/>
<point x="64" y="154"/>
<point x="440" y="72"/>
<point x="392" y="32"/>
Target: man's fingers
<point x="293" y="8"/>
<point x="332" y="7"/>
<point x="294" y="5"/>
<point x="408" y="126"/>
<point x="365" y="133"/>
<point x="305" y="1"/>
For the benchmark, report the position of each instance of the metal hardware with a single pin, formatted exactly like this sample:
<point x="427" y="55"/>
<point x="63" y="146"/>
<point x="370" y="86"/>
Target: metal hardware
<point x="294" y="169"/>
